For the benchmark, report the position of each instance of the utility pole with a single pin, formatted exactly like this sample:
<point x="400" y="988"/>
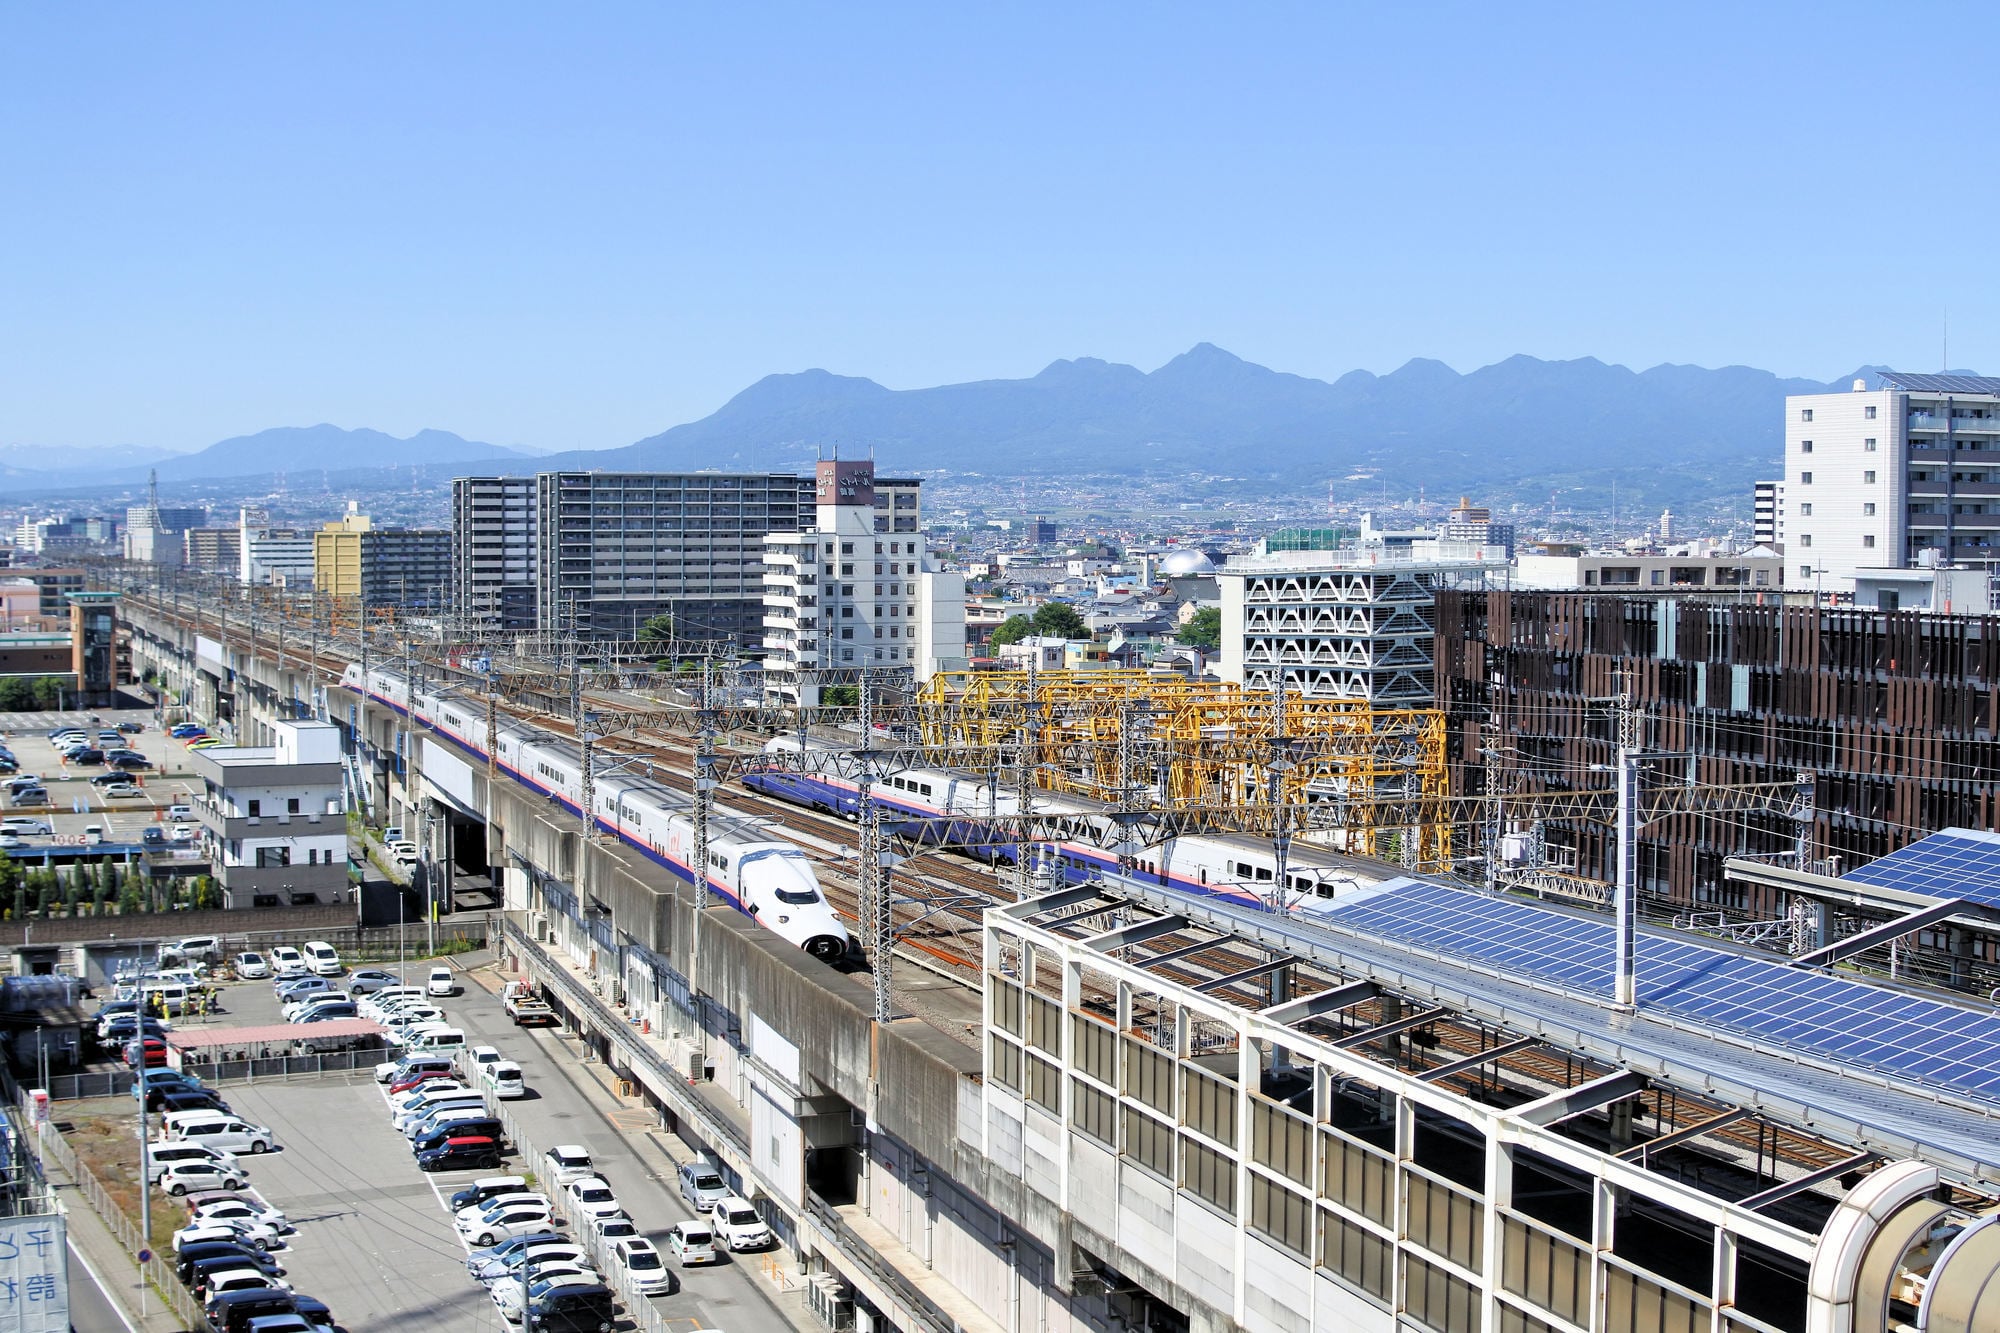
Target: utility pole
<point x="1625" y="892"/>
<point x="1024" y="788"/>
<point x="877" y="918"/>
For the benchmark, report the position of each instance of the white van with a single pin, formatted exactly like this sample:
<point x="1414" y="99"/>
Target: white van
<point x="222" y="1131"/>
<point x="503" y="1079"/>
<point x="93" y="835"/>
<point x="437" y="1041"/>
<point x="322" y="959"/>
<point x="171" y="998"/>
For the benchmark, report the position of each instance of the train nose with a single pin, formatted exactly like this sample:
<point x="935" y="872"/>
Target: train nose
<point x="827" y="948"/>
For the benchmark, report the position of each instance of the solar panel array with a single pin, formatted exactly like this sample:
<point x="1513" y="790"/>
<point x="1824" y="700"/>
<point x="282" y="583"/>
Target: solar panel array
<point x="1832" y="1018"/>
<point x="1896" y="379"/>
<point x="1954" y="863"/>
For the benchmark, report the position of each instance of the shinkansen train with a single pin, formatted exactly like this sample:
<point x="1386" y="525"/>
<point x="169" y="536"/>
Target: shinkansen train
<point x="770" y="881"/>
<point x="952" y="801"/>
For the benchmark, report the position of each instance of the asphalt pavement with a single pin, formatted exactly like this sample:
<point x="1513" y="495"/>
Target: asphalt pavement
<point x="374" y="1239"/>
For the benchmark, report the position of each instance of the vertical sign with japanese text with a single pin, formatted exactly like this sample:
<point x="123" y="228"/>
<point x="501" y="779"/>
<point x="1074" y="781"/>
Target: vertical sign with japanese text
<point x="34" y="1275"/>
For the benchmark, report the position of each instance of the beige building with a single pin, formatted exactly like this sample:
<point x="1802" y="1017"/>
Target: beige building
<point x="1625" y="572"/>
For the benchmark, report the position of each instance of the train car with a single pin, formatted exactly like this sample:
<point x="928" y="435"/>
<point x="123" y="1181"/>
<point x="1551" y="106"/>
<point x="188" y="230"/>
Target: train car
<point x="769" y="880"/>
<point x="947" y="805"/>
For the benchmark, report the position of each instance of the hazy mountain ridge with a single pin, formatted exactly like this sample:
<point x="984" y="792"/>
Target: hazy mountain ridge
<point x="1498" y="427"/>
<point x="279" y="449"/>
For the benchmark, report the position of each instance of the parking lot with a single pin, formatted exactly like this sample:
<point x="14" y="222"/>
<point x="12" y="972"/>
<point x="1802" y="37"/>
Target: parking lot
<point x="374" y="1239"/>
<point x="74" y="802"/>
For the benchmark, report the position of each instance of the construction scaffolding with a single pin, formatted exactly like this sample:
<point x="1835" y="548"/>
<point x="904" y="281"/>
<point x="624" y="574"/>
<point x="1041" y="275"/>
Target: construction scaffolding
<point x="1365" y="779"/>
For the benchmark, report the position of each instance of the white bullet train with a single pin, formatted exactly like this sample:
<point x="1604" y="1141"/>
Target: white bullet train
<point x="1239" y="867"/>
<point x="770" y="881"/>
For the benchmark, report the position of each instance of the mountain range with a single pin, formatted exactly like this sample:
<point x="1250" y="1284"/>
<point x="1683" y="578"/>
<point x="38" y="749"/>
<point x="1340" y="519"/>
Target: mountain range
<point x="1518" y="428"/>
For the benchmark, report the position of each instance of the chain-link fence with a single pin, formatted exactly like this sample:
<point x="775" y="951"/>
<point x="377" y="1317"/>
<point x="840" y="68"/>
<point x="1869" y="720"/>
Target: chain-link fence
<point x="116" y="1082"/>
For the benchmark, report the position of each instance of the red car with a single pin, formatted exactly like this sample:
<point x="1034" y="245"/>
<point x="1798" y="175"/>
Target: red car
<point x="413" y="1080"/>
<point x="155" y="1049"/>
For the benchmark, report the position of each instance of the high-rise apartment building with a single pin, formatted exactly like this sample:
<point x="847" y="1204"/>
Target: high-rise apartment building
<point x="1767" y="522"/>
<point x="1904" y="473"/>
<point x="848" y="592"/>
<point x="281" y="557"/>
<point x="493" y="552"/>
<point x="615" y="549"/>
<point x="354" y="559"/>
<point x="1473" y="525"/>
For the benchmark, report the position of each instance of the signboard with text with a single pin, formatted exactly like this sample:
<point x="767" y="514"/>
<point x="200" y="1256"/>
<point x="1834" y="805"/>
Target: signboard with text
<point x="34" y="1275"/>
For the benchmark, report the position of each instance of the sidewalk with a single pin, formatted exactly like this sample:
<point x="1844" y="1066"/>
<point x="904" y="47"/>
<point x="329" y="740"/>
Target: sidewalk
<point x="92" y="1240"/>
<point x="781" y="1282"/>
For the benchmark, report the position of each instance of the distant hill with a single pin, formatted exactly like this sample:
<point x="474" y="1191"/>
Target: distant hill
<point x="1518" y="425"/>
<point x="280" y="449"/>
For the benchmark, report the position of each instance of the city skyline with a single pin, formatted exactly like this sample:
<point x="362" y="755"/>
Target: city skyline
<point x="528" y="230"/>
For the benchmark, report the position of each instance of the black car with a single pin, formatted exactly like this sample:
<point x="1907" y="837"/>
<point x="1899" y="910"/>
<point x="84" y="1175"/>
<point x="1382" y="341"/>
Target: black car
<point x="572" y="1310"/>
<point x="186" y="1099"/>
<point x="193" y="1272"/>
<point x="484" y="1128"/>
<point x="86" y="756"/>
<point x="472" y="1194"/>
<point x="131" y="728"/>
<point x="243" y="1256"/>
<point x="232" y="1311"/>
<point x="316" y="1311"/>
<point x="124" y="1027"/>
<point x="462" y="1153"/>
<point x="132" y="763"/>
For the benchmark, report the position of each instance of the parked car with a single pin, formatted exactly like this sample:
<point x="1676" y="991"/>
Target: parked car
<point x="591" y="1196"/>
<point x="31" y="797"/>
<point x="504" y="1081"/>
<point x="504" y="1199"/>
<point x="368" y="980"/>
<point x="494" y="1227"/>
<point x="240" y="1311"/>
<point x="419" y="1077"/>
<point x="738" y="1225"/>
<point x="323" y="959"/>
<point x="702" y="1185"/>
<point x="122" y="791"/>
<point x="496" y="1258"/>
<point x="161" y="1154"/>
<point x="207" y="1251"/>
<point x="692" y="1243"/>
<point x="328" y="1013"/>
<point x="471" y="1152"/>
<point x="179" y="811"/>
<point x="132" y="728"/>
<point x="236" y="1205"/>
<point x="26" y="825"/>
<point x="443" y="982"/>
<point x="181" y="730"/>
<point x="289" y="989"/>
<point x="187" y="1099"/>
<point x="644" y="1268"/>
<point x="566" y="1162"/>
<point x="565" y="1301"/>
<point x="222" y="1131"/>
<point x="254" y="1234"/>
<point x="151" y="1050"/>
<point x="187" y="1177"/>
<point x="252" y="966"/>
<point x="447" y="1129"/>
<point x="486" y="1187"/>
<point x="131" y="763"/>
<point x="297" y="1005"/>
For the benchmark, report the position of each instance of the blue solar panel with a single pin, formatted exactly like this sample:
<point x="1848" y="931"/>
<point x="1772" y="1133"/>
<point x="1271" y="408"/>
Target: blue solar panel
<point x="1833" y="1018"/>
<point x="1981" y="384"/>
<point x="1954" y="863"/>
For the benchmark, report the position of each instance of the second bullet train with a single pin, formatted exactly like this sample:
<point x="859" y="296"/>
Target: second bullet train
<point x="769" y="880"/>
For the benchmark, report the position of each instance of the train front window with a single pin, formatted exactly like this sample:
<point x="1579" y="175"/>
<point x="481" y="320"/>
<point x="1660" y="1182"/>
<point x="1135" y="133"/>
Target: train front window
<point x="797" y="897"/>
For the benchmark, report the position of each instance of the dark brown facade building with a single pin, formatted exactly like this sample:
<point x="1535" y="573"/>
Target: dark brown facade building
<point x="1893" y="714"/>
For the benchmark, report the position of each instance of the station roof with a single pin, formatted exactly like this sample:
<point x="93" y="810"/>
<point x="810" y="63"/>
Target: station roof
<point x="1952" y="863"/>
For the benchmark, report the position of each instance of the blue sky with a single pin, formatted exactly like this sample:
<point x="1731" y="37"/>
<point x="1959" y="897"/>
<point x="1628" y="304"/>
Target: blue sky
<point x="572" y="226"/>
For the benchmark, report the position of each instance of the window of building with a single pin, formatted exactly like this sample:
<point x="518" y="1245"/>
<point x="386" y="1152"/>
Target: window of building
<point x="1805" y="414"/>
<point x="895" y="548"/>
<point x="1805" y="446"/>
<point x="1805" y="539"/>
<point x="878" y="631"/>
<point x="847" y="548"/>
<point x="291" y="805"/>
<point x="1805" y="571"/>
<point x="1868" y="446"/>
<point x="1868" y="412"/>
<point x="256" y="809"/>
<point x="1805" y="511"/>
<point x="878" y="548"/>
<point x="847" y="631"/>
<point x="1868" y="507"/>
<point x="1868" y="540"/>
<point x="1868" y="478"/>
<point x="1805" y="478"/>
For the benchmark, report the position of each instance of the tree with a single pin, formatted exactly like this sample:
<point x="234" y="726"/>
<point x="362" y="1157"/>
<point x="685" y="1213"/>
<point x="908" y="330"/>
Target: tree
<point x="657" y="629"/>
<point x="10" y="888"/>
<point x="1203" y="629"/>
<point x="1059" y="620"/>
<point x="1011" y="630"/>
<point x="131" y="897"/>
<point x="841" y="696"/>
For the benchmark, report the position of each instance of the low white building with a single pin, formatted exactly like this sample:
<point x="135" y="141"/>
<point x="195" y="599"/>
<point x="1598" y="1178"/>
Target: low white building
<point x="1759" y="568"/>
<point x="275" y="817"/>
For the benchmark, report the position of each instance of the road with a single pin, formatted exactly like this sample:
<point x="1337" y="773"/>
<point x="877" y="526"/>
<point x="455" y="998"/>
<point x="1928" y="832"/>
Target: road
<point x="374" y="1240"/>
<point x="91" y="1309"/>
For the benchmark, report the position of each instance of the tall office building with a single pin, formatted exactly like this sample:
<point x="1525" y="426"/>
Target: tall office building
<point x="281" y="557"/>
<point x="1900" y="474"/>
<point x="493" y="552"/>
<point x="849" y="593"/>
<point x="352" y="558"/>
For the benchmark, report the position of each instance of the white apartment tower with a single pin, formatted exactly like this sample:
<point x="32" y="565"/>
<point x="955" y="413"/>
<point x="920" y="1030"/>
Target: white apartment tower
<point x="1902" y="474"/>
<point x="853" y="592"/>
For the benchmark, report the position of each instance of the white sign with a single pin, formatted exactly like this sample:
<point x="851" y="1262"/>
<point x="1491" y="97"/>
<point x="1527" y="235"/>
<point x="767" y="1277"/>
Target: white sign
<point x="34" y="1275"/>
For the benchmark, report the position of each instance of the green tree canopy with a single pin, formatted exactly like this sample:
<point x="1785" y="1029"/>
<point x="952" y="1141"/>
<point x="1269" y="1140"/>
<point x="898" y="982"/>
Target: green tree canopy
<point x="1059" y="620"/>
<point x="1203" y="630"/>
<point x="657" y="629"/>
<point x="1011" y="630"/>
<point x="841" y="696"/>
